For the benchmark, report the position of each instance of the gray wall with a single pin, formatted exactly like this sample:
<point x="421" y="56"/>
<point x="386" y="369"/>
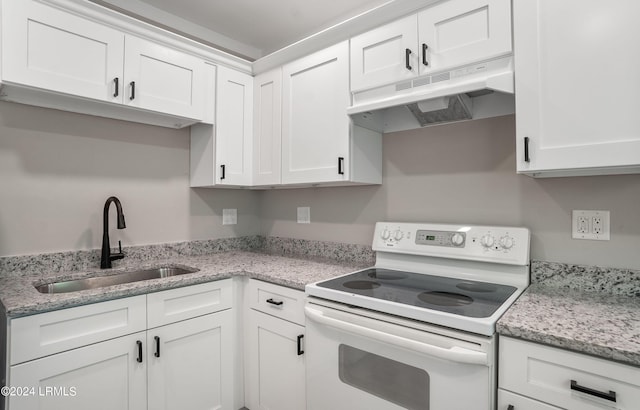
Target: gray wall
<point x="58" y="168"/>
<point x="465" y="172"/>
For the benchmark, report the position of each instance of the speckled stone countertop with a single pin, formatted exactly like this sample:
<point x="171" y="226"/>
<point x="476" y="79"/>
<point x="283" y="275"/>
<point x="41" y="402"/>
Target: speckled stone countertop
<point x="588" y="310"/>
<point x="19" y="296"/>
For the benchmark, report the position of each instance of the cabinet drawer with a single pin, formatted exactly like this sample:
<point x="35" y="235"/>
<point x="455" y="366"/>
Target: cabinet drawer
<point x="518" y="402"/>
<point x="279" y="301"/>
<point x="53" y="332"/>
<point x="544" y="372"/>
<point x="174" y="305"/>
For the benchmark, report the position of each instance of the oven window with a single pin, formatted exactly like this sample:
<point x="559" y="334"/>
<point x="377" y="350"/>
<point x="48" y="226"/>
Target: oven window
<point x="399" y="383"/>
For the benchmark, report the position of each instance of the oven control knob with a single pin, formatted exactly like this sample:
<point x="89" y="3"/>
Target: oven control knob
<point x="506" y="242"/>
<point x="487" y="241"/>
<point x="457" y="239"/>
<point x="398" y="235"/>
<point x="385" y="234"/>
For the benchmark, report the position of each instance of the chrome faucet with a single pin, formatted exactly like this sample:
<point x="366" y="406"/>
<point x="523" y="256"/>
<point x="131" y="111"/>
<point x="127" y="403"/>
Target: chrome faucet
<point x="107" y="256"/>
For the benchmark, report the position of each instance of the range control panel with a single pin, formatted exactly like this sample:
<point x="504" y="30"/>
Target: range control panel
<point x="499" y="244"/>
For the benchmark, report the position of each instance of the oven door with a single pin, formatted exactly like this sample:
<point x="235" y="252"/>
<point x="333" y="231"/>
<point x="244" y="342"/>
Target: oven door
<point x="359" y="362"/>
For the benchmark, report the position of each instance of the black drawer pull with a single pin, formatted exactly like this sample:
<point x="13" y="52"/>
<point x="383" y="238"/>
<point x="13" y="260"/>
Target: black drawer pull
<point x="222" y="170"/>
<point x="139" y="359"/>
<point x="275" y="302"/>
<point x="157" y="339"/>
<point x="132" y="96"/>
<point x="407" y="56"/>
<point x="424" y="54"/>
<point x="611" y="396"/>
<point x="300" y="351"/>
<point x="340" y="165"/>
<point x="526" y="149"/>
<point x="116" y="84"/>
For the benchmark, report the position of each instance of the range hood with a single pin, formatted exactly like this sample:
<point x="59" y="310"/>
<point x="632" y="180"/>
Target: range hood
<point x="479" y="90"/>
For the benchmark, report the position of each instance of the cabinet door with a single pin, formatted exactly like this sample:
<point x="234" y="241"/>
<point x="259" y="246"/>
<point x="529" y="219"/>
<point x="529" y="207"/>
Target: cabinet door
<point x="275" y="363"/>
<point x="161" y="79"/>
<point x="234" y="116"/>
<point x="47" y="48"/>
<point x="191" y="363"/>
<point x="385" y="55"/>
<point x="102" y="376"/>
<point x="456" y="32"/>
<point x="512" y="401"/>
<point x="575" y="88"/>
<point x="315" y="124"/>
<point x="267" y="128"/>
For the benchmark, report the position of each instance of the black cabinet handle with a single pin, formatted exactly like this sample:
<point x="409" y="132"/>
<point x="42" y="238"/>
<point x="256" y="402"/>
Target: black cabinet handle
<point x="300" y="351"/>
<point x="611" y="396"/>
<point x="222" y="170"/>
<point x="139" y="359"/>
<point x="526" y="149"/>
<point x="425" y="47"/>
<point x="510" y="407"/>
<point x="157" y="339"/>
<point x="116" y="84"/>
<point x="275" y="302"/>
<point x="407" y="55"/>
<point x="340" y="165"/>
<point x="133" y="90"/>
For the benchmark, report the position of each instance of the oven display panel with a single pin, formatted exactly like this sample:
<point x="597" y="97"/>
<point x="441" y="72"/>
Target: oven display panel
<point x="440" y="238"/>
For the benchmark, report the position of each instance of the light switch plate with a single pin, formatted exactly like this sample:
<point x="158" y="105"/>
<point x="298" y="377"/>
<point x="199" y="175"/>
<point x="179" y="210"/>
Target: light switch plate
<point x="229" y="216"/>
<point x="304" y="215"/>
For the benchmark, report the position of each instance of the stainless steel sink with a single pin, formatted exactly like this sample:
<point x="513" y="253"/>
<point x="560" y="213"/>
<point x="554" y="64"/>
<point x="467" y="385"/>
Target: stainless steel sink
<point x="117" y="279"/>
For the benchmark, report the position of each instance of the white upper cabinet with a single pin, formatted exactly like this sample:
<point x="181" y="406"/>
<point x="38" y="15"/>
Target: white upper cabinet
<point x="221" y="155"/>
<point x="576" y="87"/>
<point x="385" y="55"/>
<point x="456" y="32"/>
<point x="161" y="79"/>
<point x="315" y="124"/>
<point x="267" y="128"/>
<point x="51" y="49"/>
<point x="61" y="58"/>
<point x="234" y="119"/>
<point x="446" y="35"/>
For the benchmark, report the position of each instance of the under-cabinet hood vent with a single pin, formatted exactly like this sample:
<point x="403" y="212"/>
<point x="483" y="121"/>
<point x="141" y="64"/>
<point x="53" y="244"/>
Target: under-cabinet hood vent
<point x="443" y="109"/>
<point x="476" y="91"/>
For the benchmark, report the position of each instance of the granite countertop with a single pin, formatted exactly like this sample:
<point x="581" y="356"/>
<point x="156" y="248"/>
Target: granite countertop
<point x="20" y="298"/>
<point x="600" y="324"/>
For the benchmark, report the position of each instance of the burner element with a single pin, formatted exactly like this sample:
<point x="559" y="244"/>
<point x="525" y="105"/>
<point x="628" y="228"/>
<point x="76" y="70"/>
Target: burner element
<point x="361" y="284"/>
<point x="477" y="287"/>
<point x="385" y="274"/>
<point x="445" y="298"/>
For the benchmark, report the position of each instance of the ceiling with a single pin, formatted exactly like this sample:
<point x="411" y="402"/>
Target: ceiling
<point x="247" y="28"/>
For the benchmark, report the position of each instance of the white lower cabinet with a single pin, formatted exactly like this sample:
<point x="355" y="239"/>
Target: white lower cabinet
<point x="274" y="349"/>
<point x="533" y="376"/>
<point x="187" y="362"/>
<point x="101" y="376"/>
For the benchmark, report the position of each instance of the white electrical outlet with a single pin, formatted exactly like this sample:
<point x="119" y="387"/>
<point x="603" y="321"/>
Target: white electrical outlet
<point x="229" y="216"/>
<point x="304" y="215"/>
<point x="592" y="225"/>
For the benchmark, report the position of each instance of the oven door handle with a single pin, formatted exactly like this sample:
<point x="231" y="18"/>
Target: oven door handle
<point x="454" y="354"/>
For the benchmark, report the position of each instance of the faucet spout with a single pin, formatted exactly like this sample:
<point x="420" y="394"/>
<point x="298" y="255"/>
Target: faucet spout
<point x="107" y="256"/>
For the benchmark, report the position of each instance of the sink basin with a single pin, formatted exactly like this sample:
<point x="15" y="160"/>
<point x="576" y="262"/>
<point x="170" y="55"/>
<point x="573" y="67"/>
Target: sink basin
<point x="117" y="279"/>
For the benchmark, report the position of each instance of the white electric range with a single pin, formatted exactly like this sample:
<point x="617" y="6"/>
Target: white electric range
<point x="417" y="330"/>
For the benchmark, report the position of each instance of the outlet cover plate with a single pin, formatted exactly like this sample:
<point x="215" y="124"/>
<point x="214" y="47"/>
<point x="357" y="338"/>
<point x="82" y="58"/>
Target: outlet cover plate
<point x="229" y="216"/>
<point x="593" y="225"/>
<point x="304" y="215"/>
